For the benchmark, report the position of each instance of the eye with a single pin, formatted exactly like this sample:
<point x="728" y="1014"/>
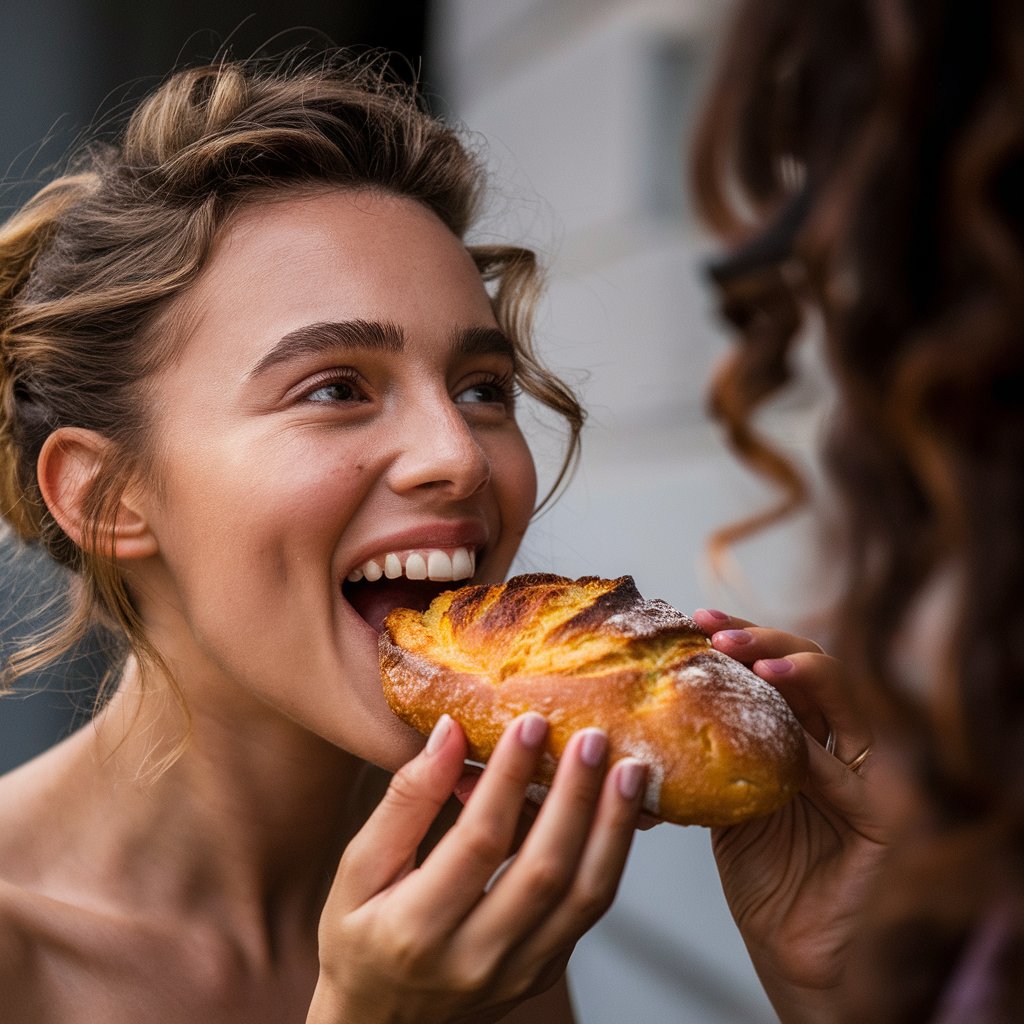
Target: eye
<point x="339" y="387"/>
<point x="490" y="391"/>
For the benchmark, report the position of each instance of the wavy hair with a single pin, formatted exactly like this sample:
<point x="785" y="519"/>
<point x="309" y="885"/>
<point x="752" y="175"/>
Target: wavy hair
<point x="864" y="159"/>
<point x="89" y="266"/>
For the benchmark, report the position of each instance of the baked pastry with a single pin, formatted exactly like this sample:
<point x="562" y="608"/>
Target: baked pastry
<point x="721" y="744"/>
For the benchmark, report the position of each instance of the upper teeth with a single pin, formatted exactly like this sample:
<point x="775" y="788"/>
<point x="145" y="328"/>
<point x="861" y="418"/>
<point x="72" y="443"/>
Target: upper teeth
<point x="426" y="564"/>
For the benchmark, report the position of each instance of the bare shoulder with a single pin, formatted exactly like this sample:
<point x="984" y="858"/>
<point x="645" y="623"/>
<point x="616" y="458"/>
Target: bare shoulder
<point x="19" y="944"/>
<point x="28" y="935"/>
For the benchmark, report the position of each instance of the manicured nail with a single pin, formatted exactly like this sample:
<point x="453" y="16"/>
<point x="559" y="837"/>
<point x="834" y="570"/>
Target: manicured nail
<point x="532" y="730"/>
<point x="439" y="734"/>
<point x="736" y="636"/>
<point x="777" y="666"/>
<point x="630" y="777"/>
<point x="465" y="786"/>
<point x="712" y="613"/>
<point x="592" y="747"/>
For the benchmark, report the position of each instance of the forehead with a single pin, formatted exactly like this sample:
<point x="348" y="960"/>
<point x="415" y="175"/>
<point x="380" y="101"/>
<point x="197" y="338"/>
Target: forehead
<point x="336" y="256"/>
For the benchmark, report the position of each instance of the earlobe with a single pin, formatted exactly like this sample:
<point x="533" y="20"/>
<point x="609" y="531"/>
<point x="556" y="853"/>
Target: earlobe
<point x="68" y="463"/>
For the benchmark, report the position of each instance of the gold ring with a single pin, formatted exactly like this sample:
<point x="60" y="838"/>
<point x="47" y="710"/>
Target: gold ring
<point x="859" y="760"/>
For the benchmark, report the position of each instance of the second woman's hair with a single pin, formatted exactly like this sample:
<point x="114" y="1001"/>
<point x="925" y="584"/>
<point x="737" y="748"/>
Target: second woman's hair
<point x="866" y="160"/>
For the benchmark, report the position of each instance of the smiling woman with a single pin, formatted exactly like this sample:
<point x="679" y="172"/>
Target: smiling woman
<point x="256" y="393"/>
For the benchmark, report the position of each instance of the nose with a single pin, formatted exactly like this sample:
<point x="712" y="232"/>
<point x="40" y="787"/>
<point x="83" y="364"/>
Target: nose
<point x="439" y="451"/>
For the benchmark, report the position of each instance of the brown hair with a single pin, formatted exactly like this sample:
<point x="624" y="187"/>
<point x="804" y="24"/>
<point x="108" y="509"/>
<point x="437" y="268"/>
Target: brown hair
<point x="88" y="266"/>
<point x="866" y="160"/>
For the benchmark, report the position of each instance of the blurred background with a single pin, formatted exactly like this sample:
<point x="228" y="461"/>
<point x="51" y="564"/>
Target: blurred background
<point x="583" y="108"/>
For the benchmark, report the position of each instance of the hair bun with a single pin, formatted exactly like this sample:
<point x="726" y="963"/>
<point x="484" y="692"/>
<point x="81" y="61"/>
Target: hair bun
<point x="721" y="744"/>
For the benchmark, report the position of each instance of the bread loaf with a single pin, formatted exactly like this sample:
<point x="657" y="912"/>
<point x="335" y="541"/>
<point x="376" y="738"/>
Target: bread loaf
<point x="721" y="745"/>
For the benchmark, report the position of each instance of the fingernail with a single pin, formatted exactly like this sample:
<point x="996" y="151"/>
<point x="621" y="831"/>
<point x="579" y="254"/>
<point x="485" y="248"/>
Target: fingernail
<point x="532" y="730"/>
<point x="712" y="613"/>
<point x="592" y="747"/>
<point x="777" y="666"/>
<point x="736" y="636"/>
<point x="630" y="778"/>
<point x="465" y="786"/>
<point x="439" y="734"/>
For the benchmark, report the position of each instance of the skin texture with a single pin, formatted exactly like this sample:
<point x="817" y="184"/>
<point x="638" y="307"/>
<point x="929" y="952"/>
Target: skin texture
<point x="796" y="880"/>
<point x="197" y="892"/>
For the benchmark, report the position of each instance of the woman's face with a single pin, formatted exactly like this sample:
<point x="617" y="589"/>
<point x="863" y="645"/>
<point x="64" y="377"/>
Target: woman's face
<point x="341" y="411"/>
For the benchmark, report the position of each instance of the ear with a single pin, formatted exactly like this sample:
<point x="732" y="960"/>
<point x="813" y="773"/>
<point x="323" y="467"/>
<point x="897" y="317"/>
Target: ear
<point x="68" y="463"/>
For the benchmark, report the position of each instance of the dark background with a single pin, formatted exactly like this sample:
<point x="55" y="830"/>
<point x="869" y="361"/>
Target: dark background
<point x="72" y="67"/>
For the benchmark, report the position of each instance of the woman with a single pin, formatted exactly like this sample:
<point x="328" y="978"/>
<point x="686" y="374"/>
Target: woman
<point x="255" y="393"/>
<point x="864" y="163"/>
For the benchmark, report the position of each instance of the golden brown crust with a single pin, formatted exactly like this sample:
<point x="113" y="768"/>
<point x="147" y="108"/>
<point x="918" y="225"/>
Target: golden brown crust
<point x="721" y="744"/>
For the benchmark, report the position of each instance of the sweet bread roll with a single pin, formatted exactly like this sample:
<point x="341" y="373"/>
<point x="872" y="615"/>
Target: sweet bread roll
<point x="721" y="745"/>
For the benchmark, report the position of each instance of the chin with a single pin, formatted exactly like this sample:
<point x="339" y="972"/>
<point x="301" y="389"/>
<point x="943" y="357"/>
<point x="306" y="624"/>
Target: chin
<point x="395" y="745"/>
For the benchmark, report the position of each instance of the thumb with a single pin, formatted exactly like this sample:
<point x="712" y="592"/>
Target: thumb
<point x="382" y="850"/>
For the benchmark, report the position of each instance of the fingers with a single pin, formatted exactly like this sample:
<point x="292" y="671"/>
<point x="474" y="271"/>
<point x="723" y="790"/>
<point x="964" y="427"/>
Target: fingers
<point x="554" y="904"/>
<point x="746" y="642"/>
<point x="482" y="839"/>
<point x="604" y="856"/>
<point x="384" y="849"/>
<point x="818" y="691"/>
<point x="548" y="861"/>
<point x="814" y="684"/>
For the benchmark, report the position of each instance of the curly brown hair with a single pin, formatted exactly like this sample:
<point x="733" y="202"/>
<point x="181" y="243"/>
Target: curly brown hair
<point x="864" y="159"/>
<point x="89" y="265"/>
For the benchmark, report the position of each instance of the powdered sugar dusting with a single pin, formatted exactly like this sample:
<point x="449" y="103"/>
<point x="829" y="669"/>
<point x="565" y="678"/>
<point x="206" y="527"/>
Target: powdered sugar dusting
<point x="649" y="619"/>
<point x="753" y="708"/>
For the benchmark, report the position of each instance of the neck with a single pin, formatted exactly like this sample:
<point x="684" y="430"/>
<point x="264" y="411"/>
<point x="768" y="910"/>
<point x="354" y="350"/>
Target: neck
<point x="248" y="814"/>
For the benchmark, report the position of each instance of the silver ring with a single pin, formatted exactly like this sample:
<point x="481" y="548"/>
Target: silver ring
<point x="830" y="743"/>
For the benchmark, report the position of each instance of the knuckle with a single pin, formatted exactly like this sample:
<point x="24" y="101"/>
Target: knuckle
<point x="403" y="787"/>
<point x="545" y="877"/>
<point x="485" y="842"/>
<point x="472" y="973"/>
<point x="410" y="950"/>
<point x="590" y="901"/>
<point x="406" y="789"/>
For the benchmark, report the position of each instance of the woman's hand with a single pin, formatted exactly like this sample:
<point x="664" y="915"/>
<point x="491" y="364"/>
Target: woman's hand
<point x="795" y="881"/>
<point x="437" y="943"/>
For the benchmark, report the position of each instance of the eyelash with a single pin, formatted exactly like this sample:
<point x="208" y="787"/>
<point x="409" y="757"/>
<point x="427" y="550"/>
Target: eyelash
<point x="504" y="383"/>
<point x="335" y="377"/>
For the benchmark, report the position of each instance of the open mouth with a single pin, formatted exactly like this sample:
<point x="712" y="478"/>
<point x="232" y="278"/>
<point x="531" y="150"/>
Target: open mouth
<point x="406" y="579"/>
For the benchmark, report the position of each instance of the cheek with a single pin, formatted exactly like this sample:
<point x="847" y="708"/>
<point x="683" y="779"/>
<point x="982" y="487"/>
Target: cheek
<point x="516" y="483"/>
<point x="260" y="510"/>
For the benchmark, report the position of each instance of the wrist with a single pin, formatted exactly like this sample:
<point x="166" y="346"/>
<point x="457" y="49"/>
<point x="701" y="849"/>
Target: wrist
<point x="795" y="1004"/>
<point x="328" y="1005"/>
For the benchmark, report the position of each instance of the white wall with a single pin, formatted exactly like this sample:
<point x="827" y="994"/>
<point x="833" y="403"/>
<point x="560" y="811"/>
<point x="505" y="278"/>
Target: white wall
<point x="584" y="107"/>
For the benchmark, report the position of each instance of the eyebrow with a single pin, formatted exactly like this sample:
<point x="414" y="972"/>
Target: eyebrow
<point x="325" y="336"/>
<point x="483" y="341"/>
<point x="375" y="336"/>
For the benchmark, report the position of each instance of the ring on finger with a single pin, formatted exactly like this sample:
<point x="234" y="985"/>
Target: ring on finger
<point x="856" y="763"/>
